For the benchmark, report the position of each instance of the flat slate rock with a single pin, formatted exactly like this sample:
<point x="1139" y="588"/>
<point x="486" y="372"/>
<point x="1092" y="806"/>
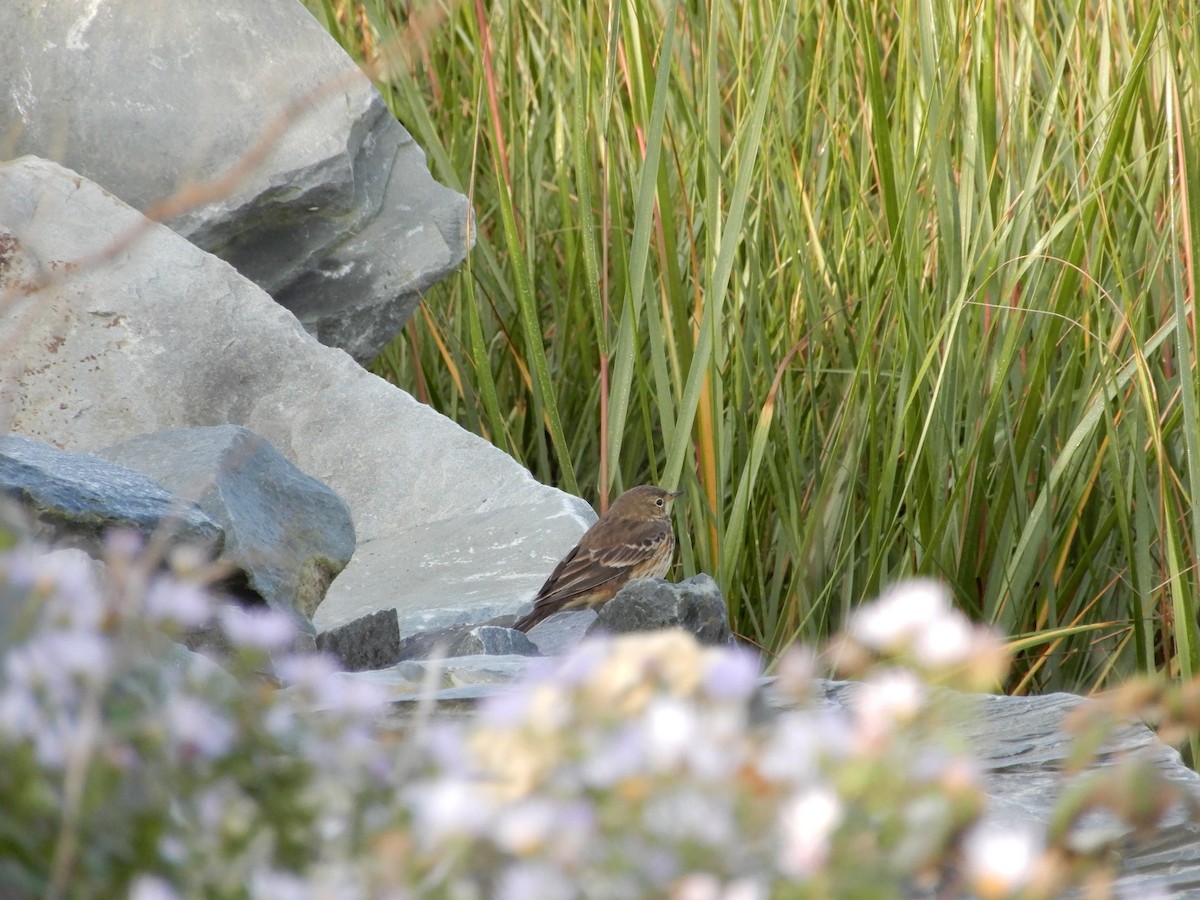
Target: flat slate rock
<point x="1022" y="748"/>
<point x="76" y="498"/>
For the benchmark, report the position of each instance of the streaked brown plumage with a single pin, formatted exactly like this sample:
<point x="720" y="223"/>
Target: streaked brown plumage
<point x="634" y="539"/>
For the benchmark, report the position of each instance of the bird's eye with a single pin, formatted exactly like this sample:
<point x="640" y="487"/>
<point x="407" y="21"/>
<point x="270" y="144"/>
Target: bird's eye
<point x="658" y="501"/>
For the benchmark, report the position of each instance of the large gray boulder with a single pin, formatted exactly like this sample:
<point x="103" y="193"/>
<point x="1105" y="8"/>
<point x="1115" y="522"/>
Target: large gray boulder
<point x="75" y="499"/>
<point x="105" y="345"/>
<point x="287" y="531"/>
<point x="340" y="220"/>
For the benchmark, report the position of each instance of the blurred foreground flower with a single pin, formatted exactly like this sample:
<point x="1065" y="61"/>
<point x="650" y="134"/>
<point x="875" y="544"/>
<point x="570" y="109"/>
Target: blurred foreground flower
<point x="644" y="765"/>
<point x="914" y="623"/>
<point x="1001" y="862"/>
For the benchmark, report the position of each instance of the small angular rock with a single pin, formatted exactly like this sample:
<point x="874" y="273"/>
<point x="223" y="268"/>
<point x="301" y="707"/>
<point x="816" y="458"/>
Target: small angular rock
<point x="493" y="640"/>
<point x="372" y="642"/>
<point x="648" y="604"/>
<point x="558" y="635"/>
<point x="287" y="531"/>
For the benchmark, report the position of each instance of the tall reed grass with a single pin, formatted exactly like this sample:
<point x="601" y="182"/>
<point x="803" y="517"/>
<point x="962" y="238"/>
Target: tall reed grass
<point x="887" y="288"/>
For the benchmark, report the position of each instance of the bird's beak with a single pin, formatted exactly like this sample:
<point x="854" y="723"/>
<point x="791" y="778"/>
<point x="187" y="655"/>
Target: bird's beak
<point x="675" y="494"/>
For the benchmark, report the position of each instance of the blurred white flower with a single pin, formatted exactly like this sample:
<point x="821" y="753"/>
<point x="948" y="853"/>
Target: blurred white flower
<point x="271" y="884"/>
<point x="670" y="729"/>
<point x="614" y="757"/>
<point x="535" y="881"/>
<point x="123" y="543"/>
<point x="306" y="672"/>
<point x="316" y="677"/>
<point x="574" y="832"/>
<point x="151" y="887"/>
<point x="706" y="886"/>
<point x="168" y="600"/>
<point x="692" y="813"/>
<point x="20" y="712"/>
<point x="887" y="698"/>
<point x="75" y="601"/>
<point x="999" y="861"/>
<point x="173" y="848"/>
<point x="795" y="671"/>
<point x="731" y="673"/>
<point x="945" y="642"/>
<point x="58" y="661"/>
<point x="57" y="733"/>
<point x="261" y="628"/>
<point x="697" y="886"/>
<point x="446" y="808"/>
<point x="900" y="614"/>
<point x="745" y="889"/>
<point x="196" y="729"/>
<point x="807" y="822"/>
<point x="525" y="826"/>
<point x="795" y="746"/>
<point x="722" y="743"/>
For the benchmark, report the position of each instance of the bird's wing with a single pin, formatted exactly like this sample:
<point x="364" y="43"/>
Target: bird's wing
<point x="589" y="567"/>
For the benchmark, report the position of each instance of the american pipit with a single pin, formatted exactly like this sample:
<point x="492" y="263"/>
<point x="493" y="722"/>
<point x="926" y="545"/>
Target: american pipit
<point x="634" y="539"/>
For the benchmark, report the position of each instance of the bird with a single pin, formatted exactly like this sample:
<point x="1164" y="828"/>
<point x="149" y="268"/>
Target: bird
<point x="634" y="539"/>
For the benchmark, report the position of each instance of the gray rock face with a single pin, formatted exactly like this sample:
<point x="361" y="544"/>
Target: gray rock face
<point x="647" y="604"/>
<point x="101" y="347"/>
<point x="287" y="531"/>
<point x="340" y="220"/>
<point x="74" y="498"/>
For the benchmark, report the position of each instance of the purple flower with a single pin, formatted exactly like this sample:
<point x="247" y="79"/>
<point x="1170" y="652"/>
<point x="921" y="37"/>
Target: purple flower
<point x="732" y="674"/>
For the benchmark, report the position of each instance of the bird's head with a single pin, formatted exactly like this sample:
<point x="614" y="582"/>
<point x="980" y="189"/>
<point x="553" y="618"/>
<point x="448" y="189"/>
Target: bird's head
<point x="644" y="502"/>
